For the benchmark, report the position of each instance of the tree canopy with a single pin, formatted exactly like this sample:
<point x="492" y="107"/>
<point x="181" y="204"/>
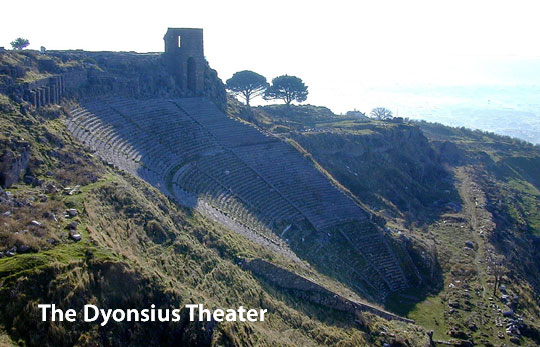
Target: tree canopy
<point x="247" y="84"/>
<point x="381" y="113"/>
<point x="287" y="88"/>
<point x="19" y="44"/>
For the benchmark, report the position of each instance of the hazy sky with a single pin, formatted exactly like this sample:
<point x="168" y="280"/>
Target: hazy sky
<point x="341" y="49"/>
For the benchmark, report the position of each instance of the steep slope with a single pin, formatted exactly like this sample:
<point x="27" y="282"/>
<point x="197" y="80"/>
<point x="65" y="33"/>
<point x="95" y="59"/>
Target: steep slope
<point x="201" y="157"/>
<point x="137" y="249"/>
<point x="459" y="209"/>
<point x="465" y="203"/>
<point x="389" y="166"/>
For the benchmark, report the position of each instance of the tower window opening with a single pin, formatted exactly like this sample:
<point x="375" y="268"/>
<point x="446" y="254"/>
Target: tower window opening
<point x="179" y="41"/>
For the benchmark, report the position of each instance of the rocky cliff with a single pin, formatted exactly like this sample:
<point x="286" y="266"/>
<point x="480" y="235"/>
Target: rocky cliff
<point x="392" y="167"/>
<point x="88" y="74"/>
<point x="13" y="161"/>
<point x="311" y="291"/>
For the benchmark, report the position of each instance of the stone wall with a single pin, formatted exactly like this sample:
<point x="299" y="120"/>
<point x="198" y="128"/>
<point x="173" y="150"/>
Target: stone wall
<point x="51" y="90"/>
<point x="184" y="54"/>
<point x="135" y="75"/>
<point x="74" y="79"/>
<point x="13" y="161"/>
<point x="311" y="291"/>
<point x="182" y="71"/>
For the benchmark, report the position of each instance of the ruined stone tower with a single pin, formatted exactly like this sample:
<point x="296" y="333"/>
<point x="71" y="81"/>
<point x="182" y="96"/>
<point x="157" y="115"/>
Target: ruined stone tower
<point x="185" y="57"/>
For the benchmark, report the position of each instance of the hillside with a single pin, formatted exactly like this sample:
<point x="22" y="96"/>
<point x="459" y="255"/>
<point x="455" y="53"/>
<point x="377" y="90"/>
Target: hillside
<point x="346" y="229"/>
<point x="136" y="248"/>
<point x="470" y="198"/>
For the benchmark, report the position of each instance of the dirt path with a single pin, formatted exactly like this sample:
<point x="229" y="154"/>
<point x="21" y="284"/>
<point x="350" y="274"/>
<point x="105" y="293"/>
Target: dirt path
<point x="473" y="206"/>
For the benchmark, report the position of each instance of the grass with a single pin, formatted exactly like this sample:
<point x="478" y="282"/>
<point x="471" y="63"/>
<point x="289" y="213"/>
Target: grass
<point x="189" y="262"/>
<point x="138" y="247"/>
<point x="383" y="170"/>
<point x="525" y="206"/>
<point x="25" y="264"/>
<point x="32" y="76"/>
<point x="428" y="314"/>
<point x="5" y="340"/>
<point x="200" y="273"/>
<point x="508" y="175"/>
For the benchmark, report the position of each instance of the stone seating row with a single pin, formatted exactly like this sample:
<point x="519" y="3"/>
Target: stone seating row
<point x="257" y="180"/>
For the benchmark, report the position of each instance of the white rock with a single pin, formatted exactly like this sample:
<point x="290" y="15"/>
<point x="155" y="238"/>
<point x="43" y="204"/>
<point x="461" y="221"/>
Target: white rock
<point x="72" y="212"/>
<point x="74" y="235"/>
